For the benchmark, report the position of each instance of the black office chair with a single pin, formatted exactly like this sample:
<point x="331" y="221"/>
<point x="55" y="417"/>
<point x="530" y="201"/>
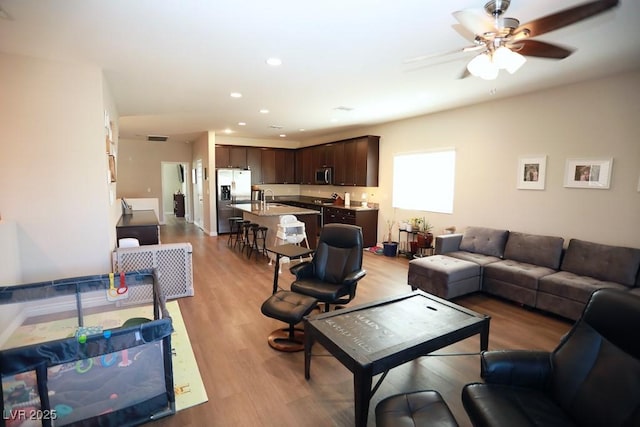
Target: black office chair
<point x="332" y="275"/>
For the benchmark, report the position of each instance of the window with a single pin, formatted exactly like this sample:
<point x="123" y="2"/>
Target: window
<point x="424" y="181"/>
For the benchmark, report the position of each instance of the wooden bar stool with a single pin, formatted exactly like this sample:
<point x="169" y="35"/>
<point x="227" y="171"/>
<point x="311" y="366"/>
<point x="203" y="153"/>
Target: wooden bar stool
<point x="240" y="233"/>
<point x="233" y="231"/>
<point x="259" y="243"/>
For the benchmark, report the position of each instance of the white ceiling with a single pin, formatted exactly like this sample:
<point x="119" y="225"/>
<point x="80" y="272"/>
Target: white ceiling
<point x="171" y="65"/>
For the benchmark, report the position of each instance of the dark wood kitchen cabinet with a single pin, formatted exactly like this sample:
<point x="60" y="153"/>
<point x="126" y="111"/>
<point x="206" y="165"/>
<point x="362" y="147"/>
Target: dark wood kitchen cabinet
<point x="278" y="166"/>
<point x="268" y="166"/>
<point x="365" y="219"/>
<point x="354" y="161"/>
<point x="230" y="156"/>
<point x="304" y="168"/>
<point x="285" y="166"/>
<point x="254" y="163"/>
<point x="361" y="160"/>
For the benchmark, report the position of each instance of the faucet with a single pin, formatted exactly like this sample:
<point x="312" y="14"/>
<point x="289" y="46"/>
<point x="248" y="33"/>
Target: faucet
<point x="263" y="203"/>
<point x="273" y="196"/>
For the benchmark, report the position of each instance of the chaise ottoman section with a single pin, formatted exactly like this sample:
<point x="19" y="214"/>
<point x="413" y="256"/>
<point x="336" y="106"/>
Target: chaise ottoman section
<point x="444" y="276"/>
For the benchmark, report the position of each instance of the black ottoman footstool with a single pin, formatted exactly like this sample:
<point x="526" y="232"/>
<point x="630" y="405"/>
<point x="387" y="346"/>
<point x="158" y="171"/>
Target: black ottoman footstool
<point x="420" y="408"/>
<point x="289" y="307"/>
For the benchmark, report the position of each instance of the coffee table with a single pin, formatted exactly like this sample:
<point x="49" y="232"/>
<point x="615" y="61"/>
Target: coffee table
<point x="375" y="337"/>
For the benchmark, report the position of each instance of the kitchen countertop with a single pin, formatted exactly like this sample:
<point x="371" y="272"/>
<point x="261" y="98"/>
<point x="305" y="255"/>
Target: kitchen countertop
<point x="355" y="206"/>
<point x="273" y="209"/>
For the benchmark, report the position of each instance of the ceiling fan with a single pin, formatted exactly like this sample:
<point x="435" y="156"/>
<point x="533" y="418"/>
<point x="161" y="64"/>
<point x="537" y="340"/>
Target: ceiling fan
<point x="503" y="43"/>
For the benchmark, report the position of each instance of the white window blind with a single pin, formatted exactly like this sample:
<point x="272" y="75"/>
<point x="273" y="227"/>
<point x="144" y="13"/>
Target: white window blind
<point x="424" y="181"/>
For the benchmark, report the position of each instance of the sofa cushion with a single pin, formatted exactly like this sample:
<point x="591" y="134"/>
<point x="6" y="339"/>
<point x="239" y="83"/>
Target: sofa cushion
<point x="487" y="241"/>
<point x="517" y="273"/>
<point x="479" y="259"/>
<point x="572" y="286"/>
<point x="545" y="251"/>
<point x="608" y="263"/>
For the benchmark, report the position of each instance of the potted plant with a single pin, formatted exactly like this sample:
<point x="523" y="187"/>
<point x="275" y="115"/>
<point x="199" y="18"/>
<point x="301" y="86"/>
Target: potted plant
<point x="390" y="247"/>
<point x="425" y="238"/>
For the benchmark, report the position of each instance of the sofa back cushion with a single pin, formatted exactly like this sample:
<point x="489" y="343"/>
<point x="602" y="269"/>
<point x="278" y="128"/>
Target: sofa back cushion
<point x="544" y="251"/>
<point x="487" y="241"/>
<point x="603" y="262"/>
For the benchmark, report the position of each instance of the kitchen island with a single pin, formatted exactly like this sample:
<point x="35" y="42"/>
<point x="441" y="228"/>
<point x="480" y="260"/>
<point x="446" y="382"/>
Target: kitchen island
<point x="268" y="215"/>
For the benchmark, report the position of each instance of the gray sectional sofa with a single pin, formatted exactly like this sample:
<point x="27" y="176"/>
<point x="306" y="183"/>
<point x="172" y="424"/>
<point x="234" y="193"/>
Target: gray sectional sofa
<point x="533" y="270"/>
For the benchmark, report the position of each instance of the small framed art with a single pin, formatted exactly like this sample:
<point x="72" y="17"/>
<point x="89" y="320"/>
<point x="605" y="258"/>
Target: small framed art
<point x="588" y="173"/>
<point x="531" y="172"/>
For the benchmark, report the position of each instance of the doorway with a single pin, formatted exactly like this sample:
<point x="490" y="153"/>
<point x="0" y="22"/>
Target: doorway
<point x="175" y="177"/>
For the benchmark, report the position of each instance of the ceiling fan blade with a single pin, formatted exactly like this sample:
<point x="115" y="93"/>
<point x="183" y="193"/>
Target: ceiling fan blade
<point x="565" y="17"/>
<point x="540" y="49"/>
<point x="439" y="54"/>
<point x="476" y="20"/>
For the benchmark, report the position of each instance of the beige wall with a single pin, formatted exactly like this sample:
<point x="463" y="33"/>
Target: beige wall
<point x="598" y="119"/>
<point x="53" y="167"/>
<point x="140" y="167"/>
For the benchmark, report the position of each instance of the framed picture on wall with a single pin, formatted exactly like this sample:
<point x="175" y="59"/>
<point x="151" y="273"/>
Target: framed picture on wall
<point x="112" y="167"/>
<point x="532" y="172"/>
<point x="588" y="173"/>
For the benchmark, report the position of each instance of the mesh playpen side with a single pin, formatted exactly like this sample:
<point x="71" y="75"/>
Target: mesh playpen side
<point x="119" y="375"/>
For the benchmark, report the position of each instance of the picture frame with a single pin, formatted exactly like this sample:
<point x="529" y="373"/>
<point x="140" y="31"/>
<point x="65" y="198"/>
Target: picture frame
<point x="588" y="173"/>
<point x="532" y="172"/>
<point x="112" y="168"/>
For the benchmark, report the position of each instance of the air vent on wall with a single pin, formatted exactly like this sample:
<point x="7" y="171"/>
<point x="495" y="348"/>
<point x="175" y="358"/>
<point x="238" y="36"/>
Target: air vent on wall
<point x="157" y="138"/>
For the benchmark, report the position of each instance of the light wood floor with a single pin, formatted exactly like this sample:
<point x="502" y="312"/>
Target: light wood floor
<point x="250" y="384"/>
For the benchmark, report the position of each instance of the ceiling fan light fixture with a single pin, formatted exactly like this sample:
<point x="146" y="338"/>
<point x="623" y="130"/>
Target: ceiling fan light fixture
<point x="482" y="66"/>
<point x="506" y="59"/>
<point x="515" y="62"/>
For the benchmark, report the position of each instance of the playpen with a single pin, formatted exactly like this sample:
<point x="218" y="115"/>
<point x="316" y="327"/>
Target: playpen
<point x="85" y="351"/>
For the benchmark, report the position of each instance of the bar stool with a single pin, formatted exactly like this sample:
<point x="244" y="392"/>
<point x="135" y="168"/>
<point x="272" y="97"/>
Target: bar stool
<point x="259" y="240"/>
<point x="246" y="238"/>
<point x="233" y="229"/>
<point x="240" y="233"/>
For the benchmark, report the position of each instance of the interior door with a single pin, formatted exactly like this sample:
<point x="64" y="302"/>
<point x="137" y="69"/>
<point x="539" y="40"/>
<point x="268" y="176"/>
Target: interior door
<point x="198" y="194"/>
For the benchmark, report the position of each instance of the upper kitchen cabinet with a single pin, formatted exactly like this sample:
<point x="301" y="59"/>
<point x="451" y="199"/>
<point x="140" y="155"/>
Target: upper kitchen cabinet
<point x="230" y="156"/>
<point x="356" y="160"/>
<point x="278" y="166"/>
<point x="304" y="169"/>
<point x="254" y="163"/>
<point x="285" y="166"/>
<point x="367" y="159"/>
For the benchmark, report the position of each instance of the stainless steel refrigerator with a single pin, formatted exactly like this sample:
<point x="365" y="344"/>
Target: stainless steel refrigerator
<point x="233" y="186"/>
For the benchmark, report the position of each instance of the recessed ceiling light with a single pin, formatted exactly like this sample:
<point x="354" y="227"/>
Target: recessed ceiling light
<point x="236" y="95"/>
<point x="283" y="135"/>
<point x="242" y="124"/>
<point x="227" y="131"/>
<point x="301" y="130"/>
<point x="274" y="62"/>
<point x="264" y="111"/>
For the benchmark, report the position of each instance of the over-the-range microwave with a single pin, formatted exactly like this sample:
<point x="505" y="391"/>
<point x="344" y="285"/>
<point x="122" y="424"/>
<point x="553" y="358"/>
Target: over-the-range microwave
<point x="324" y="175"/>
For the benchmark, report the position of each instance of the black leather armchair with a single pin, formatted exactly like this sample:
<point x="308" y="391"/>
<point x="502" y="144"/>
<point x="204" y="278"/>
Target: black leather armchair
<point x="591" y="379"/>
<point x="332" y="275"/>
